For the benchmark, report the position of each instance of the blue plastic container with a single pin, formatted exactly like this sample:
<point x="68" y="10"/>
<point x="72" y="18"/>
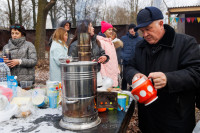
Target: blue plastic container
<point x="53" y="97"/>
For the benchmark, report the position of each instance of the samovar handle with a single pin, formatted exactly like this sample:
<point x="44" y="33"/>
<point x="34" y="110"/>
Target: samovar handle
<point x="70" y="100"/>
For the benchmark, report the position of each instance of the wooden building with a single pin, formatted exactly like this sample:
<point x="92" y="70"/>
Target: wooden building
<point x="192" y="29"/>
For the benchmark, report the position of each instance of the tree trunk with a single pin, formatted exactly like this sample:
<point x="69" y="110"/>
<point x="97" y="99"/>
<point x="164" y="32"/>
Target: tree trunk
<point x="13" y="12"/>
<point x="132" y="10"/>
<point x="65" y="8"/>
<point x="10" y="12"/>
<point x="137" y="6"/>
<point x="43" y="8"/>
<point x="34" y="14"/>
<point x="53" y="15"/>
<point x="20" y="11"/>
<point x="72" y="8"/>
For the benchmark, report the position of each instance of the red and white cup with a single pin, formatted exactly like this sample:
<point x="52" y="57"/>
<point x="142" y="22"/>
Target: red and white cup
<point x="144" y="91"/>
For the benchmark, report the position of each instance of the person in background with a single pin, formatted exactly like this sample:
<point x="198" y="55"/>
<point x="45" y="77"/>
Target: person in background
<point x="67" y="25"/>
<point x="118" y="47"/>
<point x="130" y="40"/>
<point x="97" y="53"/>
<point x="110" y="69"/>
<point x="58" y="50"/>
<point x="23" y="55"/>
<point x="172" y="61"/>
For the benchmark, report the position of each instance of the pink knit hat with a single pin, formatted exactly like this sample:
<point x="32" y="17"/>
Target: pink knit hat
<point x="105" y="26"/>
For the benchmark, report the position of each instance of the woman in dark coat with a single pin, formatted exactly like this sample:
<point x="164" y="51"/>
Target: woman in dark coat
<point x="97" y="53"/>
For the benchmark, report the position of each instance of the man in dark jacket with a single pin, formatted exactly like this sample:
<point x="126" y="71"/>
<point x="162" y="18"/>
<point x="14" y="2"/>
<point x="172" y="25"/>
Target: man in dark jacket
<point x="172" y="61"/>
<point x="129" y="40"/>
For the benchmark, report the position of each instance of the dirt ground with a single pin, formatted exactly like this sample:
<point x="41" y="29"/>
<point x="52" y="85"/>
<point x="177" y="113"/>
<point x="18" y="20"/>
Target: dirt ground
<point x="42" y="75"/>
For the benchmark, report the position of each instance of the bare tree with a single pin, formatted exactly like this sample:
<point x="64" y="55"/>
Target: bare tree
<point x="132" y="7"/>
<point x="43" y="9"/>
<point x="34" y="14"/>
<point x="88" y="9"/>
<point x="20" y="11"/>
<point x="132" y="10"/>
<point x="117" y="15"/>
<point x="104" y="13"/>
<point x="96" y="13"/>
<point x="72" y="8"/>
<point x="65" y="8"/>
<point x="11" y="12"/>
<point x="4" y="19"/>
<point x="55" y="14"/>
<point x="27" y="15"/>
<point x="136" y="10"/>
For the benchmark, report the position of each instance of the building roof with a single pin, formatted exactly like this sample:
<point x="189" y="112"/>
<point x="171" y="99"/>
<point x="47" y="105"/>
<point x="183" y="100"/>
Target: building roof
<point x="184" y="9"/>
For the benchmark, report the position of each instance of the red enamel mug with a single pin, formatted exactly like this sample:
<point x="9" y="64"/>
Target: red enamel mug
<point x="144" y="91"/>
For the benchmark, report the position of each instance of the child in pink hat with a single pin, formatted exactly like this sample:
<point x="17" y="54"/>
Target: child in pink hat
<point x="110" y="69"/>
<point x="105" y="26"/>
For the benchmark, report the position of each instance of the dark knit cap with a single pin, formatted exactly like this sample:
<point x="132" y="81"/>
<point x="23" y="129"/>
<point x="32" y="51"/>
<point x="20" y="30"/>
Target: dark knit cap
<point x="131" y="26"/>
<point x="147" y="15"/>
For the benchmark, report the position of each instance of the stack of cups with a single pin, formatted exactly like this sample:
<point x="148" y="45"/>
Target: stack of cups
<point x="53" y="98"/>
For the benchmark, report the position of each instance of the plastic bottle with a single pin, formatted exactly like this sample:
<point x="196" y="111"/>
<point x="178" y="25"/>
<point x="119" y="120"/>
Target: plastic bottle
<point x="12" y="84"/>
<point x="4" y="71"/>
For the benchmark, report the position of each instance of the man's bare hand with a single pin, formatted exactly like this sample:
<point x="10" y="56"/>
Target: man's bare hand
<point x="139" y="75"/>
<point x="159" y="79"/>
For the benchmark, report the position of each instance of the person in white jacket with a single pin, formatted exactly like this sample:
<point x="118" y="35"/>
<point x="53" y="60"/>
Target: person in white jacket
<point x="58" y="50"/>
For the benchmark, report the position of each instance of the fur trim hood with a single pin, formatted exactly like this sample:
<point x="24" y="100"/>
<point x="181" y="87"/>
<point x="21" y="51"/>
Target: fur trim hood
<point x="117" y="43"/>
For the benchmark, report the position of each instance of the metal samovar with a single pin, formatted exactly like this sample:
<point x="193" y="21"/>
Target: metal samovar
<point x="79" y="82"/>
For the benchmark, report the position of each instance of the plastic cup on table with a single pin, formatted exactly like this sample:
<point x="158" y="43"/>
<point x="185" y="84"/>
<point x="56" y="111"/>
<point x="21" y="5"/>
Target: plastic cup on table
<point x="127" y="98"/>
<point x="122" y="102"/>
<point x="53" y="95"/>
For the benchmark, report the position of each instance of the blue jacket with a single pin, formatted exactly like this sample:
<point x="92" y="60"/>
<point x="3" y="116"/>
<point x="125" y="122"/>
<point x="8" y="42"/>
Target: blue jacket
<point x="128" y="50"/>
<point x="57" y="51"/>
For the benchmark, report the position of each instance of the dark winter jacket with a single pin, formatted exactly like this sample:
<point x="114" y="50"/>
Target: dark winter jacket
<point x="24" y="50"/>
<point x="178" y="57"/>
<point x="101" y="34"/>
<point x="96" y="52"/>
<point x="128" y="50"/>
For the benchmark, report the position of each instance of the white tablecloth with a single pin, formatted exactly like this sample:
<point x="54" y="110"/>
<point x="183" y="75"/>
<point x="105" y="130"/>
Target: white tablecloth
<point x="42" y="121"/>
